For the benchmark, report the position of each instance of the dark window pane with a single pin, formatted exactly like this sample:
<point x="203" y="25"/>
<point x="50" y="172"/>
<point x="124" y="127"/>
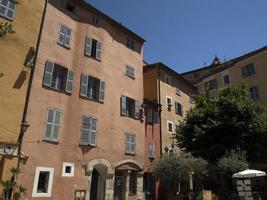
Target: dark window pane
<point x="43" y="181"/>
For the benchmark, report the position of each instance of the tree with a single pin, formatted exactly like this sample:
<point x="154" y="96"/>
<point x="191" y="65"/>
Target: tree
<point x="219" y="123"/>
<point x="6" y="28"/>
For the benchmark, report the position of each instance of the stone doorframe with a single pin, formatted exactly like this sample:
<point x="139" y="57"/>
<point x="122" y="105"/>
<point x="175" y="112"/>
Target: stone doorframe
<point x="109" y="177"/>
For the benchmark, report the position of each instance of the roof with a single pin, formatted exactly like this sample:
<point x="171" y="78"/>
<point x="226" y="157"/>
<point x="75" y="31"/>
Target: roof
<point x="151" y="66"/>
<point x="225" y="65"/>
<point x="113" y="21"/>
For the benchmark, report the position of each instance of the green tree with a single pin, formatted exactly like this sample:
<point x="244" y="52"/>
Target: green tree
<point x="6" y="28"/>
<point x="219" y="123"/>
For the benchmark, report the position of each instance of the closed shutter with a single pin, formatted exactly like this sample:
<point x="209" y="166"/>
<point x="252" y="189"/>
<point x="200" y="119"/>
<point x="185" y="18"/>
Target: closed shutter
<point x="130" y="71"/>
<point x="128" y="143"/>
<point x="62" y="34"/>
<point x="151" y="151"/>
<point x="137" y="110"/>
<point x="84" y="85"/>
<point x="149" y="116"/>
<point x="49" y="68"/>
<point x="132" y="144"/>
<point x="101" y="91"/>
<point x="49" y="124"/>
<point x="85" y="130"/>
<point x="98" y="50"/>
<point x="88" y="46"/>
<point x="123" y="105"/>
<point x="69" y="83"/>
<point x="92" y="137"/>
<point x="56" y="125"/>
<point x="176" y="108"/>
<point x="155" y="117"/>
<point x="68" y="37"/>
<point x="52" y="125"/>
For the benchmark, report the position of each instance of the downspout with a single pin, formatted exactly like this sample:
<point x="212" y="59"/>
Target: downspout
<point x="159" y="101"/>
<point x="21" y="135"/>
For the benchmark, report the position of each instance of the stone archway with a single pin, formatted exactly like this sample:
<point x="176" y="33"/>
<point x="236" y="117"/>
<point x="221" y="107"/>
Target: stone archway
<point x="101" y="178"/>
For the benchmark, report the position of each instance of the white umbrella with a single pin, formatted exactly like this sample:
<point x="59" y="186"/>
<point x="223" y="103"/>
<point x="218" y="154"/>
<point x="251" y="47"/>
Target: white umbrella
<point x="249" y="173"/>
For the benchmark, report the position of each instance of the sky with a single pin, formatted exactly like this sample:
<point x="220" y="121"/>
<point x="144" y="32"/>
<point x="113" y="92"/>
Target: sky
<point x="187" y="34"/>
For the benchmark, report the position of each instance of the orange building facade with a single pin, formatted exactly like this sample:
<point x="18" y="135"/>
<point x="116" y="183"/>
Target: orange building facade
<point x="86" y="134"/>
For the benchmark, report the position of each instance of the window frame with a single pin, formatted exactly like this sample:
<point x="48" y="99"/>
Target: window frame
<point x="65" y="36"/>
<point x="211" y="84"/>
<point x="7" y="8"/>
<point x="35" y="193"/>
<point x="132" y="182"/>
<point x="90" y="131"/>
<point x="169" y="122"/>
<point x="68" y="164"/>
<point x="248" y="70"/>
<point x="167" y="77"/>
<point x="151" y="154"/>
<point x="254" y="92"/>
<point x="93" y="48"/>
<point x="130" y="43"/>
<point x="130" y="69"/>
<point x="131" y="143"/>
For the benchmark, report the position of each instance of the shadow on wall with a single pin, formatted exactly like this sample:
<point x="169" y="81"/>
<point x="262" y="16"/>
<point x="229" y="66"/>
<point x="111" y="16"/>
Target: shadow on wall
<point x="20" y="80"/>
<point x="84" y="15"/>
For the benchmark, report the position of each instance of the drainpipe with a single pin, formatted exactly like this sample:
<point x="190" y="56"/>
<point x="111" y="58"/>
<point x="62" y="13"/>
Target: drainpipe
<point x="159" y="101"/>
<point x="21" y="135"/>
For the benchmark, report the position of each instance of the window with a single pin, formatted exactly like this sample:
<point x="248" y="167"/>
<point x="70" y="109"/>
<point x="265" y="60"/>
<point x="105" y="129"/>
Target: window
<point x="132" y="182"/>
<point x="130" y="71"/>
<point x="254" y="92"/>
<point x="169" y="103"/>
<point x="92" y="88"/>
<point x="7" y="9"/>
<point x="42" y="186"/>
<point x="178" y="91"/>
<point x="152" y="116"/>
<point x="64" y="36"/>
<point x="130" y="107"/>
<point x="71" y="7"/>
<point x="88" y="131"/>
<point x="130" y="43"/>
<point x="170" y="126"/>
<point x="68" y="169"/>
<point x="178" y="108"/>
<point x="57" y="77"/>
<point x="95" y="20"/>
<point x="52" y="125"/>
<point x="151" y="150"/>
<point x="211" y="84"/>
<point x="248" y="70"/>
<point x="226" y="79"/>
<point x="93" y="48"/>
<point x="130" y="143"/>
<point x="80" y="194"/>
<point x="168" y="79"/>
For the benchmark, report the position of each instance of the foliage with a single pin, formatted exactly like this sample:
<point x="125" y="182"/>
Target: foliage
<point x="11" y="190"/>
<point x="233" y="161"/>
<point x="179" y="167"/>
<point x="219" y="123"/>
<point x="6" y="28"/>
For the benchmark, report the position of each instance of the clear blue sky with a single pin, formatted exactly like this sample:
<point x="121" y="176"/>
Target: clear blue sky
<point x="184" y="34"/>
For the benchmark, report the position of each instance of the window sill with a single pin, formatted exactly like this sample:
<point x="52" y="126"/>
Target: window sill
<point x="66" y="47"/>
<point x="99" y="60"/>
<point x="129" y="154"/>
<point x="132" y="77"/>
<point x="56" y="90"/>
<point x="50" y="141"/>
<point x="87" y="98"/>
<point x="132" y="194"/>
<point x="7" y="18"/>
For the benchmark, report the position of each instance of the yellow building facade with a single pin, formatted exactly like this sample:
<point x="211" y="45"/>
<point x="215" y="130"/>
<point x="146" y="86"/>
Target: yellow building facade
<point x="17" y="52"/>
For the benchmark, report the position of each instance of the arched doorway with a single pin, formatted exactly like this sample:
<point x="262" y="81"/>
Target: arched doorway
<point x="100" y="178"/>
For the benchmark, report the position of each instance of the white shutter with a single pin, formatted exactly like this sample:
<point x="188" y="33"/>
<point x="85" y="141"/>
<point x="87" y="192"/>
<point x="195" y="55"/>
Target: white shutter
<point x="84" y="85"/>
<point x="62" y="34"/>
<point x="69" y="83"/>
<point x="49" y="68"/>
<point x="176" y="108"/>
<point x="67" y="37"/>
<point x="101" y="91"/>
<point x="128" y="143"/>
<point x="56" y="125"/>
<point x="137" y="109"/>
<point x="92" y="138"/>
<point x="123" y="105"/>
<point x="98" y="50"/>
<point x="85" y="130"/>
<point x="132" y="144"/>
<point x="88" y="47"/>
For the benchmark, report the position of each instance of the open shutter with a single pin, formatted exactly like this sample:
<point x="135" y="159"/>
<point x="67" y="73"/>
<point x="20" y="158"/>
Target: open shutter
<point x="88" y="47"/>
<point x="176" y="108"/>
<point x="62" y="34"/>
<point x="92" y="139"/>
<point x="137" y="110"/>
<point x="101" y="91"/>
<point x="149" y="115"/>
<point x="132" y="144"/>
<point x="98" y="50"/>
<point x="156" y="117"/>
<point x="123" y="105"/>
<point x="68" y="37"/>
<point x="84" y="85"/>
<point x="85" y="130"/>
<point x="49" y="68"/>
<point x="69" y="83"/>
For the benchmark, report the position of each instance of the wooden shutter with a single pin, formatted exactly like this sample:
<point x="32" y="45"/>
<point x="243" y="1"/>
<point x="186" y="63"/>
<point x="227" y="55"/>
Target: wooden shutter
<point x="123" y="105"/>
<point x="92" y="137"/>
<point x="49" y="68"/>
<point x="127" y="143"/>
<point x="137" y="110"/>
<point x="85" y="130"/>
<point x="101" y="91"/>
<point x="84" y="85"/>
<point x="69" y="83"/>
<point x="156" y="117"/>
<point x="98" y="50"/>
<point x="149" y="116"/>
<point x="88" y="47"/>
